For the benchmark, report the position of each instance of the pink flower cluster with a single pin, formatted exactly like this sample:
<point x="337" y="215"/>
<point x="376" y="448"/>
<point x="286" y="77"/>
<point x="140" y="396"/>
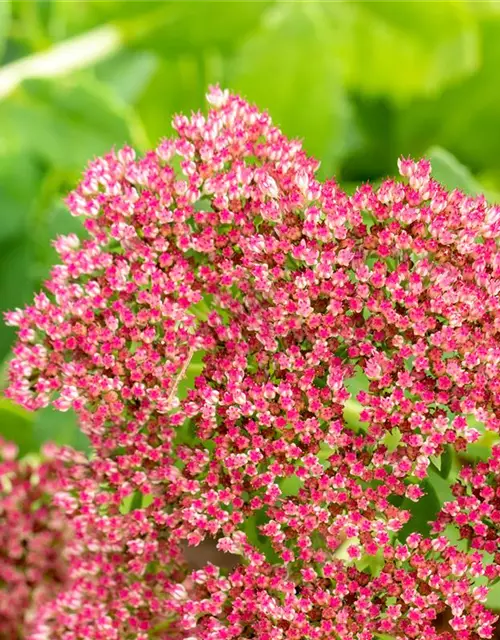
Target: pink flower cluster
<point x="33" y="537"/>
<point x="344" y="341"/>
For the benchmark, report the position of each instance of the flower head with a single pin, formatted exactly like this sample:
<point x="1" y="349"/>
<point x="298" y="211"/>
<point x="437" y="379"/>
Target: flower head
<point x="340" y="342"/>
<point x="34" y="535"/>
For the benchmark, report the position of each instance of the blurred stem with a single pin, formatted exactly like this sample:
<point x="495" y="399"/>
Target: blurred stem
<point x="81" y="51"/>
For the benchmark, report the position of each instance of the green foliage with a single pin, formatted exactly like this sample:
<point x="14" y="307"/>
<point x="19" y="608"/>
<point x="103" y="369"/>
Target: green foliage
<point x="464" y="117"/>
<point x="4" y="24"/>
<point x="30" y="430"/>
<point x="405" y="50"/>
<point x="65" y="124"/>
<point x="422" y="512"/>
<point x="16" y="424"/>
<point x="449" y="171"/>
<point x="61" y="428"/>
<point x="307" y="98"/>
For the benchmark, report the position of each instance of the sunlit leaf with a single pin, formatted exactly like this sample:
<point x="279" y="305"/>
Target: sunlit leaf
<point x="289" y="68"/>
<point x="5" y="9"/>
<point x="66" y="123"/>
<point x="168" y="27"/>
<point x="160" y="100"/>
<point x="16" y="425"/>
<point x="449" y="171"/>
<point x="405" y="49"/>
<point x="128" y="73"/>
<point x="59" y="427"/>
<point x="494" y="597"/>
<point x="464" y="118"/>
<point x="186" y="27"/>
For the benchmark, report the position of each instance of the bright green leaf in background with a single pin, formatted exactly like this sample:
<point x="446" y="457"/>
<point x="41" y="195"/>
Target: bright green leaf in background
<point x="31" y="430"/>
<point x="58" y="427"/>
<point x="16" y="424"/>
<point x="19" y="182"/>
<point x="67" y="123"/>
<point x="450" y="172"/>
<point x="185" y="73"/>
<point x="200" y="27"/>
<point x="16" y="282"/>
<point x="454" y="175"/>
<point x="463" y="118"/>
<point x="404" y="50"/>
<point x="4" y="24"/>
<point x="128" y="73"/>
<point x="306" y="95"/>
<point x="169" y="28"/>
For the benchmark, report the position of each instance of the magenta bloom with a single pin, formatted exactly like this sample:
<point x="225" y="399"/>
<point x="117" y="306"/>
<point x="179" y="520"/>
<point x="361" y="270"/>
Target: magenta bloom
<point x="341" y="342"/>
<point x="33" y="539"/>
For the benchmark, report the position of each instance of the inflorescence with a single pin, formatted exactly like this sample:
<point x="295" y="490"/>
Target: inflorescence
<point x="342" y="343"/>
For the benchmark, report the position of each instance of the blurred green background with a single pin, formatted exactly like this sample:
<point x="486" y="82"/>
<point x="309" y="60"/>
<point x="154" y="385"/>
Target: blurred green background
<point x="360" y="82"/>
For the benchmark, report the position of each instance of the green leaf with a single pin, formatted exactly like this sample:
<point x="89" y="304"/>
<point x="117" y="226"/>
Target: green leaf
<point x="186" y="27"/>
<point x="5" y="11"/>
<point x="170" y="28"/>
<point x="251" y="527"/>
<point x="135" y="500"/>
<point x="446" y="462"/>
<point x="451" y="173"/>
<point x="441" y="486"/>
<point x="128" y="73"/>
<point x="16" y="283"/>
<point x="50" y="219"/>
<point x="422" y="512"/>
<point x="19" y="181"/>
<point x="481" y="449"/>
<point x="157" y="103"/>
<point x="291" y="485"/>
<point x="66" y="123"/>
<point x="493" y="601"/>
<point x="16" y="425"/>
<point x="59" y="427"/>
<point x="485" y="8"/>
<point x="374" y="150"/>
<point x="406" y="49"/>
<point x="289" y="68"/>
<point x="193" y="371"/>
<point x="464" y="118"/>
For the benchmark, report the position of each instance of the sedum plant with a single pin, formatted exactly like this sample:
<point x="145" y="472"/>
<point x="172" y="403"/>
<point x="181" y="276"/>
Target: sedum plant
<point x="34" y="537"/>
<point x="276" y="379"/>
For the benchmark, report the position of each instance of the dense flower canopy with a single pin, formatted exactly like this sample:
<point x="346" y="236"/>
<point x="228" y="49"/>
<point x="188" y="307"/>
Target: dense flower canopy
<point x="34" y="535"/>
<point x="341" y="343"/>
